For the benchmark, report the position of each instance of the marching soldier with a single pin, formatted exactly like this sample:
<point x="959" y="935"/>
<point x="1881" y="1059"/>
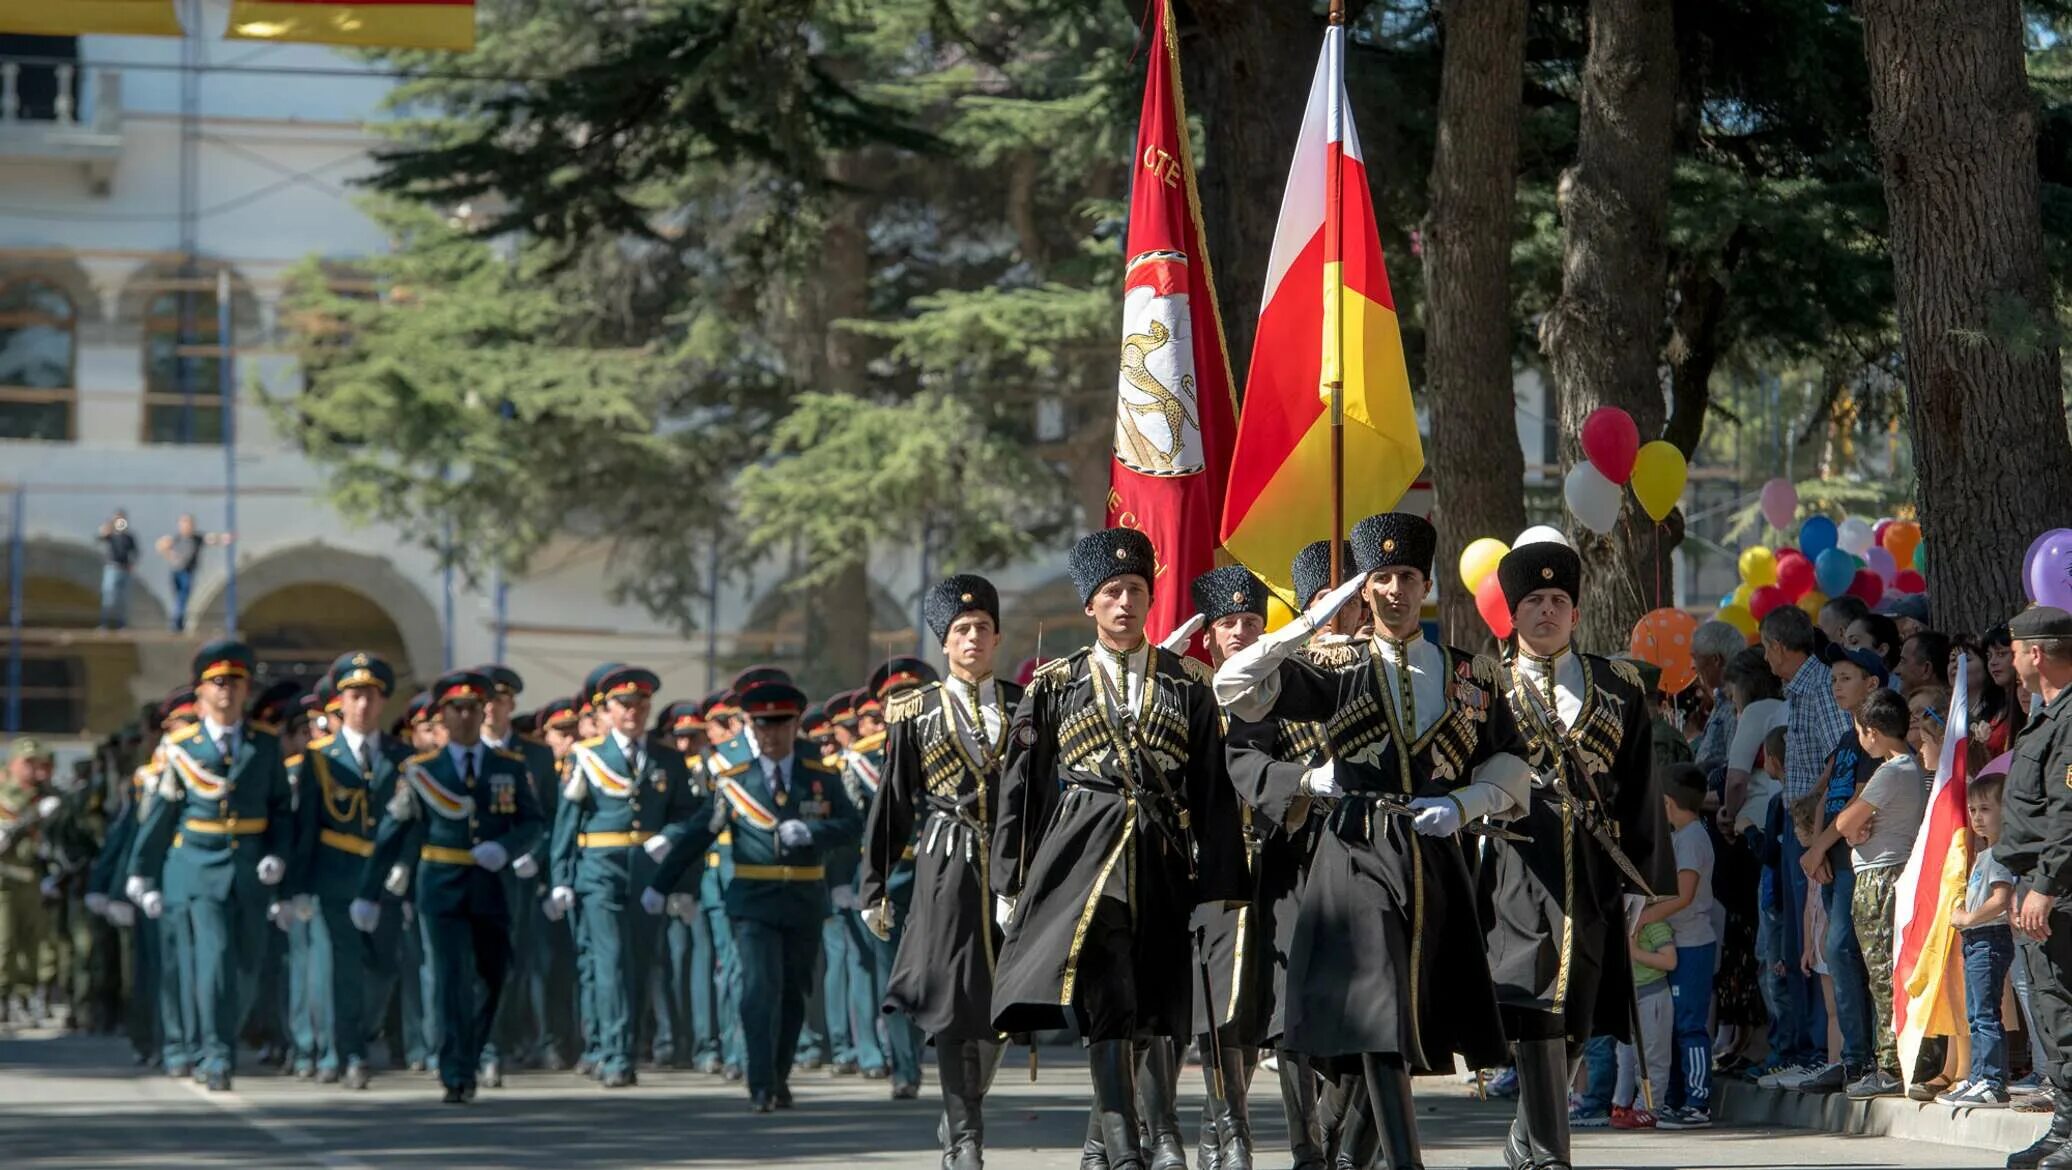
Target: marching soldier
<point x="157" y="938"/>
<point x="841" y="718"/>
<point x="457" y="816"/>
<point x="865" y="763"/>
<point x="284" y="1014"/>
<point x="1116" y="820"/>
<point x="557" y="725"/>
<point x="589" y="721"/>
<point x="680" y="987"/>
<point x="213" y="846"/>
<point x="721" y="728"/>
<point x="104" y="895"/>
<point x="928" y="907"/>
<point x="783" y="808"/>
<point x="631" y="808"/>
<point x="1557" y="938"/>
<point x="344" y="780"/>
<point x="28" y="955"/>
<point x="522" y="1029"/>
<point x="1386" y="973"/>
<point x="421" y="729"/>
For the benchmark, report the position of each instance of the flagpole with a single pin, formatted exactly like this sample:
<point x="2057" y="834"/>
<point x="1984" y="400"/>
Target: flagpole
<point x="1334" y="256"/>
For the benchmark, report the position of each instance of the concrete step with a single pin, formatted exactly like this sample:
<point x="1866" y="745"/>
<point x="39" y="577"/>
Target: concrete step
<point x="2005" y="1130"/>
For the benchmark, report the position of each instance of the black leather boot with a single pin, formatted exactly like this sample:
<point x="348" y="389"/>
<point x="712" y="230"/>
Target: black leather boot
<point x="1357" y="1140"/>
<point x="1093" y="1154"/>
<point x="1113" y="1067"/>
<point x="1299" y="1103"/>
<point x="956" y="1066"/>
<point x="2053" y="1141"/>
<point x="1395" y="1115"/>
<point x="1160" y="1091"/>
<point x="1539" y="1136"/>
<point x="1237" y="1130"/>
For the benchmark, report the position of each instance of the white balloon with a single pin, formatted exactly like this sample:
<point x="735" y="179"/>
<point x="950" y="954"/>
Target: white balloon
<point x="1594" y="499"/>
<point x="1854" y="537"/>
<point x="1540" y="534"/>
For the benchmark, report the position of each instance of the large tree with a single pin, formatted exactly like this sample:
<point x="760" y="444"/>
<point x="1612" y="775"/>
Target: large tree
<point x="1956" y="128"/>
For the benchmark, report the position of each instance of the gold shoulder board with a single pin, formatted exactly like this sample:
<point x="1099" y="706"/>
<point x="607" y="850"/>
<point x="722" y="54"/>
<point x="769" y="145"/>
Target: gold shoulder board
<point x="1335" y="655"/>
<point x="1626" y="672"/>
<point x="906" y="704"/>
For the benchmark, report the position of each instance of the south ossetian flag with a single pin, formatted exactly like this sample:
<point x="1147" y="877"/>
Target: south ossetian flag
<point x="1279" y="497"/>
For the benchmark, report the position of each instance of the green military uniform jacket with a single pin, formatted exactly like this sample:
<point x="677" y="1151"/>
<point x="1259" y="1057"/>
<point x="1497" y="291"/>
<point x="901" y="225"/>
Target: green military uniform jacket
<point x="336" y="812"/>
<point x="609" y="815"/>
<point x="769" y="882"/>
<point x="434" y="819"/>
<point x="212" y="819"/>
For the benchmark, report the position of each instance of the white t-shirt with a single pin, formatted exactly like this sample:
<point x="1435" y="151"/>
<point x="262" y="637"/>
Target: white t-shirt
<point x="1758" y="719"/>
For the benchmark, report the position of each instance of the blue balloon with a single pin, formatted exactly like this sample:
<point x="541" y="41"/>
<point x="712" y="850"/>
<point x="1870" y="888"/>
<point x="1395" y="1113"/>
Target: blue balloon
<point x="1834" y="569"/>
<point x="1817" y="535"/>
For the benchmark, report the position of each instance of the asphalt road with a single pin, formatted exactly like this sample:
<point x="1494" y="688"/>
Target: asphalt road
<point x="76" y="1102"/>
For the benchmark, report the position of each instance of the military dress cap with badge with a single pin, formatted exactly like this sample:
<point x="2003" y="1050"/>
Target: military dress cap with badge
<point x="557" y="714"/>
<point x="213" y="844"/>
<point x="953" y="597"/>
<point x="273" y="708"/>
<point x="680" y="718"/>
<point x="841" y="710"/>
<point x="1100" y="557"/>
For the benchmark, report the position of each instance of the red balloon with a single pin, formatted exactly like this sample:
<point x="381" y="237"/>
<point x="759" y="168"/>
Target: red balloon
<point x="1908" y="581"/>
<point x="1794" y="577"/>
<point x="1878" y="532"/>
<point x="1611" y="442"/>
<point x="1490" y="603"/>
<point x="1789" y="554"/>
<point x="1867" y="585"/>
<point x="1765" y="599"/>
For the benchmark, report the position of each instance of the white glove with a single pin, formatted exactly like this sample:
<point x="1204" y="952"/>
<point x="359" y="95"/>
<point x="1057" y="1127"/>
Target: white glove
<point x="564" y="897"/>
<point x="1178" y="639"/>
<point x="272" y="870"/>
<point x="793" y="834"/>
<point x="48" y="887"/>
<point x="552" y="909"/>
<point x="135" y="889"/>
<point x="48" y="807"/>
<point x="398" y="880"/>
<point x="1003" y="909"/>
<point x="281" y="914"/>
<point x="490" y="856"/>
<point x="683" y="908"/>
<point x="652" y="901"/>
<point x="1437" y="816"/>
<point x="6" y="839"/>
<point x="305" y="907"/>
<point x="879" y="920"/>
<point x="153" y="904"/>
<point x="1635" y="904"/>
<point x="844" y="897"/>
<point x="657" y="846"/>
<point x="365" y="915"/>
<point x="97" y="904"/>
<point x="122" y="914"/>
<point x="1322" y="780"/>
<point x="527" y="866"/>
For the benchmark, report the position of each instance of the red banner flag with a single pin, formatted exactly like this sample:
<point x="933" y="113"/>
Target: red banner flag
<point x="1174" y="408"/>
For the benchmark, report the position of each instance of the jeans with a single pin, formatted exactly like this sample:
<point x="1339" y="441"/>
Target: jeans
<point x="1845" y="964"/>
<point x="1691" y="987"/>
<point x="115" y="581"/>
<point x="1988" y="953"/>
<point x="1601" y="1065"/>
<point x="1800" y="1004"/>
<point x="183" y="588"/>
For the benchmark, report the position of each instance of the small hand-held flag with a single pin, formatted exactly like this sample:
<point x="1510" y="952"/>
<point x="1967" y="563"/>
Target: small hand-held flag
<point x="1327" y="345"/>
<point x="1173" y="407"/>
<point x="1927" y="964"/>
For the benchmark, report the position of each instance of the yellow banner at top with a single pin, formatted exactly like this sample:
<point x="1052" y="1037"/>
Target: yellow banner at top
<point x="72" y="18"/>
<point x="380" y="24"/>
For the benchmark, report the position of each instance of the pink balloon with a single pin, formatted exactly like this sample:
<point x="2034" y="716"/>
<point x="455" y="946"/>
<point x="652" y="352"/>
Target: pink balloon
<point x="1780" y="503"/>
<point x="1867" y="585"/>
<point x="1611" y="442"/>
<point x="1882" y="564"/>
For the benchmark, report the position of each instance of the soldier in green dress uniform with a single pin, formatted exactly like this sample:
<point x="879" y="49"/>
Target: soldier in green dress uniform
<point x="458" y="815"/>
<point x="556" y="723"/>
<point x="722" y="725"/>
<point x="521" y="1034"/>
<point x="630" y="807"/>
<point x="680" y="979"/>
<point x="212" y="848"/>
<point x="783" y="807"/>
<point x="283" y="1019"/>
<point x="343" y="781"/>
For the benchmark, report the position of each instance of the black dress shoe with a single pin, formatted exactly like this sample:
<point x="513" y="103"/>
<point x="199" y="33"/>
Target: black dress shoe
<point x="356" y="1076"/>
<point x="454" y="1096"/>
<point x="783" y="1096"/>
<point x="618" y="1080"/>
<point x="761" y="1103"/>
<point x="219" y="1082"/>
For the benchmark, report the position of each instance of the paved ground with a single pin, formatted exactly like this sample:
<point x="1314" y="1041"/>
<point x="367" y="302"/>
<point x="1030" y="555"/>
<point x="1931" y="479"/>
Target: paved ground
<point x="78" y="1103"/>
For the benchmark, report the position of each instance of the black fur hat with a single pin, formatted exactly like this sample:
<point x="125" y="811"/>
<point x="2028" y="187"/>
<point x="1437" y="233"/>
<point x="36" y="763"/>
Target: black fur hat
<point x="1231" y="589"/>
<point x="1312" y="569"/>
<point x="956" y="596"/>
<point x="1111" y="553"/>
<point x="1545" y="565"/>
<point x="1394" y="539"/>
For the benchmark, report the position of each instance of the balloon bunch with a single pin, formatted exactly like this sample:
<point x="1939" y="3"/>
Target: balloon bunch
<point x="1853" y="558"/>
<point x="1614" y="457"/>
<point x="2047" y="569"/>
<point x="1478" y="564"/>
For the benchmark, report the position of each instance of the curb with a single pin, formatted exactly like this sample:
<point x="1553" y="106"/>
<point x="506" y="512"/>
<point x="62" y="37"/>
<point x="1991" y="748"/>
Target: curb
<point x="2004" y="1130"/>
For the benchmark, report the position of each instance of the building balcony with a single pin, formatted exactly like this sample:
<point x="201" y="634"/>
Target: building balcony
<point x="61" y="111"/>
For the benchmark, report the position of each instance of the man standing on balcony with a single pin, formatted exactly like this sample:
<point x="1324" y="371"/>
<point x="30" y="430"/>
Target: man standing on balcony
<point x="115" y="571"/>
<point x="183" y="551"/>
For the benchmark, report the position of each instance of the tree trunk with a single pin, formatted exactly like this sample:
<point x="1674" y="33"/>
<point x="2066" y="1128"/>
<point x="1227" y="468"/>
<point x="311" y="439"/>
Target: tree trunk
<point x="1477" y="468"/>
<point x="1955" y="125"/>
<point x="1246" y="66"/>
<point x="1602" y="336"/>
<point x="1694" y="339"/>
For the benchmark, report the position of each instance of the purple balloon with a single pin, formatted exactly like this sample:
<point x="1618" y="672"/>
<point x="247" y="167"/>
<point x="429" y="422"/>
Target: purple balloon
<point x="2049" y="572"/>
<point x="2030" y="559"/>
<point x="1882" y="564"/>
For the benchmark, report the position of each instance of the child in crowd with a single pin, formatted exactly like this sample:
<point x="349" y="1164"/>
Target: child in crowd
<point x="1880" y="825"/>
<point x="1688" y="1104"/>
<point x="1653" y="951"/>
<point x="1988" y="951"/>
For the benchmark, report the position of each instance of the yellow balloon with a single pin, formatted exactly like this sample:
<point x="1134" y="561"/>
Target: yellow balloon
<point x="1759" y="566"/>
<point x="1738" y="617"/>
<point x="1479" y="559"/>
<point x="1742" y="593"/>
<point x="1811" y="603"/>
<point x="1659" y="472"/>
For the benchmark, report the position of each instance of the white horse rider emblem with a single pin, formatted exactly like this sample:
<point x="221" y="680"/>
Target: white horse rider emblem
<point x="1157" y="427"/>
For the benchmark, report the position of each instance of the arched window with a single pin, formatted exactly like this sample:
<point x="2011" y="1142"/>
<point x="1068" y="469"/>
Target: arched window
<point x="38" y="357"/>
<point x="183" y="376"/>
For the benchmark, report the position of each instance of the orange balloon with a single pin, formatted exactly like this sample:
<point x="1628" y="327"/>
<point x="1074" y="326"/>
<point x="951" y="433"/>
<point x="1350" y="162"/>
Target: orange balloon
<point x="1900" y="540"/>
<point x="1662" y="638"/>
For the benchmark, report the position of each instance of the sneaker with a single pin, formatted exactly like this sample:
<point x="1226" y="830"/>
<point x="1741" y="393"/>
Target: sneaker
<point x="1624" y="1118"/>
<point x="2029" y="1086"/>
<point x="1758" y="1073"/>
<point x="1581" y="1118"/>
<point x="1685" y="1118"/>
<point x="1928" y="1090"/>
<point x="1791" y="1076"/>
<point x="1831" y="1079"/>
<point x="1875" y="1083"/>
<point x="1976" y="1095"/>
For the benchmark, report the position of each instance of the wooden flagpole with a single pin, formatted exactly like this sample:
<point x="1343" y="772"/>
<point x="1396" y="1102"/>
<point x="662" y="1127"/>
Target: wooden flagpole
<point x="1334" y="254"/>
